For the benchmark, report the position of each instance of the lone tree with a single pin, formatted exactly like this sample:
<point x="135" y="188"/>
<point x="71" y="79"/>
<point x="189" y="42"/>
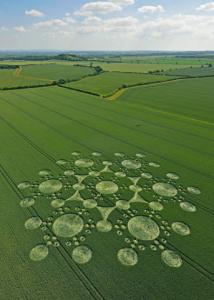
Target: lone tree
<point x="98" y="69"/>
<point x="61" y="81"/>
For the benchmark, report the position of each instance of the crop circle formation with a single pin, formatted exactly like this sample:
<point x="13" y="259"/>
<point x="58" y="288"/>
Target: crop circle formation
<point x="123" y="196"/>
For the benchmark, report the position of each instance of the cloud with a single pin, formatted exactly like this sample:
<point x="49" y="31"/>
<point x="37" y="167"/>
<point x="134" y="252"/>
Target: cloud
<point x="68" y="20"/>
<point x="82" y="13"/>
<point x="3" y="29"/>
<point x="101" y="7"/>
<point x="206" y="7"/>
<point x="34" y="13"/>
<point x="113" y="25"/>
<point x="151" y="9"/>
<point x="20" y="29"/>
<point x="180" y="26"/>
<point x="91" y="20"/>
<point x="123" y="2"/>
<point x="51" y="23"/>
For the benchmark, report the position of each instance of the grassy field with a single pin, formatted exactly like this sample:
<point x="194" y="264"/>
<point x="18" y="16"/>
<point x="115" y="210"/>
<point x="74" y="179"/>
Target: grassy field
<point x="56" y="71"/>
<point x="134" y="67"/>
<point x="126" y="64"/>
<point x="171" y="126"/>
<point x="192" y="72"/>
<point x="107" y="82"/>
<point x="172" y="60"/>
<point x="12" y="78"/>
<point x="44" y="74"/>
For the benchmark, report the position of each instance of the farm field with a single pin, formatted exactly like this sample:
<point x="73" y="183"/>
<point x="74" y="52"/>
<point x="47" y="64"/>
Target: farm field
<point x="26" y="76"/>
<point x="123" y="66"/>
<point x="134" y="67"/>
<point x="192" y="72"/>
<point x="80" y="177"/>
<point x="12" y="78"/>
<point x="168" y="60"/>
<point x="108" y="82"/>
<point x="56" y="71"/>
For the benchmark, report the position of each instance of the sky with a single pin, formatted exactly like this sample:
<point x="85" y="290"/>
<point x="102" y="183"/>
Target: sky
<point x="107" y="25"/>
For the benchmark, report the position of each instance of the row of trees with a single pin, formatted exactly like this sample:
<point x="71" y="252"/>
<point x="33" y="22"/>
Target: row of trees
<point x="8" y="67"/>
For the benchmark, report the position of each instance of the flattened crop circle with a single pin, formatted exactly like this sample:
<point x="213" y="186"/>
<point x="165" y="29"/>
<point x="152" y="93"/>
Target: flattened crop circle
<point x="107" y="187"/>
<point x="165" y="189"/>
<point x="181" y="228"/>
<point x="84" y="163"/>
<point x="39" y="252"/>
<point x="50" y="186"/>
<point x="171" y="259"/>
<point x="131" y="164"/>
<point x="104" y="226"/>
<point x="68" y="225"/>
<point x="187" y="206"/>
<point x="82" y="254"/>
<point x="127" y="257"/>
<point x="33" y="223"/>
<point x="156" y="206"/>
<point x="143" y="228"/>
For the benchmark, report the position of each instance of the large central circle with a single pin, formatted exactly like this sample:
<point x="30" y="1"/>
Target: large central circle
<point x="68" y="225"/>
<point x="107" y="187"/>
<point x="143" y="228"/>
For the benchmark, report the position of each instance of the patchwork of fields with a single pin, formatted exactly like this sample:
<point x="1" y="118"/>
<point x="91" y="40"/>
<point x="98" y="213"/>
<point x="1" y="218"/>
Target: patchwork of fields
<point x="108" y="82"/>
<point x="135" y="67"/>
<point x="107" y="199"/>
<point x="45" y="74"/>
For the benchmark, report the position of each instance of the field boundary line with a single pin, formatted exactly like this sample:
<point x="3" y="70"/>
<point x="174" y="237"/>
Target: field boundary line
<point x="79" y="90"/>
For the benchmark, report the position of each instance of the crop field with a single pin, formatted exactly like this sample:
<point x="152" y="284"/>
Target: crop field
<point x="108" y="82"/>
<point x="56" y="71"/>
<point x="107" y="199"/>
<point x="167" y="60"/>
<point x="12" y="78"/>
<point x="27" y="76"/>
<point x="192" y="72"/>
<point x="134" y="67"/>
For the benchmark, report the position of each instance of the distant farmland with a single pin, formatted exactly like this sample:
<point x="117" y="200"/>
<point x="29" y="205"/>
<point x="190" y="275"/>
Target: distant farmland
<point x="135" y="67"/>
<point x="192" y="72"/>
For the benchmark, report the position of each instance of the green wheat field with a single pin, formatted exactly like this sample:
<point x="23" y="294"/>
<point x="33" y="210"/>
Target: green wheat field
<point x="106" y="179"/>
